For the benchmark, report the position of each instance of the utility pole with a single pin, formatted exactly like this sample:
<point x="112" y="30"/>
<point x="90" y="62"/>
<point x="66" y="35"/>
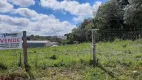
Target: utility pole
<point x="94" y="46"/>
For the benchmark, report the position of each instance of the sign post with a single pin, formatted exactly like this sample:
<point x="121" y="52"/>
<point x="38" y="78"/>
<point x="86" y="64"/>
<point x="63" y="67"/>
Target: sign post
<point x="14" y="41"/>
<point x="25" y="49"/>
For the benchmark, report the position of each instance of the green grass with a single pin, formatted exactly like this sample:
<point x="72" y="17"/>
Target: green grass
<point x="120" y="59"/>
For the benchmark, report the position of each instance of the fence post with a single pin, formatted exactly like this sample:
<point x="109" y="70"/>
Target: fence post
<point x="94" y="46"/>
<point x="25" y="49"/>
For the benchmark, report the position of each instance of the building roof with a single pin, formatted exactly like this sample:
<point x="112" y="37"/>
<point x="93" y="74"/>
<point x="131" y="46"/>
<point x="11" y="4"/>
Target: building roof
<point x="37" y="41"/>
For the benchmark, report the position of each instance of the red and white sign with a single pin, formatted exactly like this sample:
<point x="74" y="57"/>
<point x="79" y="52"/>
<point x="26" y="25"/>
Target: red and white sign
<point x="10" y="41"/>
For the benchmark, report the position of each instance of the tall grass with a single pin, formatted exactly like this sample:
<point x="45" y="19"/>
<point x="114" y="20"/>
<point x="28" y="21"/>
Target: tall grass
<point x="122" y="58"/>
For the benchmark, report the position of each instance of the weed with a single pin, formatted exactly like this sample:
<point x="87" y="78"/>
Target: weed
<point x="53" y="57"/>
<point x="2" y="66"/>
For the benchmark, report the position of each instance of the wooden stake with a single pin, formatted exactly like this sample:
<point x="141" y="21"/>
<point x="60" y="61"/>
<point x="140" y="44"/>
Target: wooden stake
<point x="20" y="60"/>
<point x="25" y="49"/>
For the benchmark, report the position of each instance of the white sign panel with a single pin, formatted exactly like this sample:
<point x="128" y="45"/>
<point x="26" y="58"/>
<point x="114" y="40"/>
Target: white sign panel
<point x="10" y="41"/>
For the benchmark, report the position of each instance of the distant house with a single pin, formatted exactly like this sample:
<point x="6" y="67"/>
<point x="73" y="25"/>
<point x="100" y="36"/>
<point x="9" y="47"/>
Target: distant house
<point x="35" y="44"/>
<point x="62" y="37"/>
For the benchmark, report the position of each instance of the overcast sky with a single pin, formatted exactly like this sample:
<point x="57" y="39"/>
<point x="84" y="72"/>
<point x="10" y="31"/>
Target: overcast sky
<point x="44" y="17"/>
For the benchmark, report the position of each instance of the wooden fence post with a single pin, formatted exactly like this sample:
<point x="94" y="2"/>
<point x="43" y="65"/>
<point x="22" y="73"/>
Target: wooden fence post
<point x="25" y="49"/>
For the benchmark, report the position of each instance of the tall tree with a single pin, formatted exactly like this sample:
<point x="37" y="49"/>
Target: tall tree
<point x="133" y="14"/>
<point x="110" y="16"/>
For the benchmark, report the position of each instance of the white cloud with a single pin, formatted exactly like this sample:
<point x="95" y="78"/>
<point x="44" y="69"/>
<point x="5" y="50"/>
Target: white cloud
<point x="40" y="25"/>
<point x="23" y="3"/>
<point x="75" y="8"/>
<point x="71" y="6"/>
<point x="78" y="18"/>
<point x="93" y="11"/>
<point x="83" y="9"/>
<point x="42" y="17"/>
<point x="5" y="6"/>
<point x="4" y="19"/>
<point x="25" y="12"/>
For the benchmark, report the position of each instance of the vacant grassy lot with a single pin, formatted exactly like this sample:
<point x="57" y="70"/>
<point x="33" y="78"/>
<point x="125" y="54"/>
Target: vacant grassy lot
<point x="117" y="60"/>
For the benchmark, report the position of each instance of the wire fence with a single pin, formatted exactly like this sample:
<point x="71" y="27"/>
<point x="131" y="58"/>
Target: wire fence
<point x="111" y="35"/>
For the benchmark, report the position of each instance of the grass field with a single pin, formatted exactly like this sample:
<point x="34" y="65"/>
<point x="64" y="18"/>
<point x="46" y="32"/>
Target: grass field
<point x="120" y="60"/>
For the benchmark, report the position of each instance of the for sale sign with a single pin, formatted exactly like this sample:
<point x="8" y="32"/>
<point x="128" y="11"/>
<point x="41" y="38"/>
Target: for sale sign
<point x="10" y="41"/>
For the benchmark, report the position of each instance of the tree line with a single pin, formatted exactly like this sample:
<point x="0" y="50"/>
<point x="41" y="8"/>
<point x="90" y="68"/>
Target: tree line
<point x="114" y="15"/>
<point x="50" y="38"/>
